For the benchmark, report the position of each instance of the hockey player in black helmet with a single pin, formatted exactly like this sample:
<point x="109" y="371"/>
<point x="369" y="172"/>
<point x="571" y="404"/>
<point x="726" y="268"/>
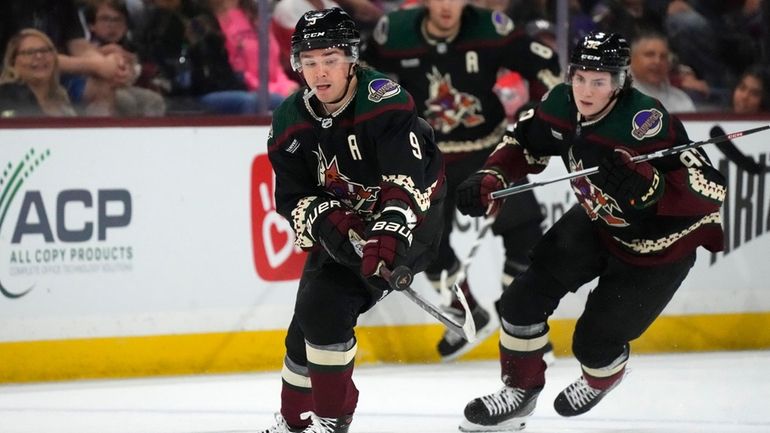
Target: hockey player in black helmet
<point x="636" y="228"/>
<point x="448" y="54"/>
<point x="357" y="172"/>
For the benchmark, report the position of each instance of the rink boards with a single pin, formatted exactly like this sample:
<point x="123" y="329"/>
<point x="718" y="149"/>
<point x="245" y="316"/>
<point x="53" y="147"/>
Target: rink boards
<point x="133" y="251"/>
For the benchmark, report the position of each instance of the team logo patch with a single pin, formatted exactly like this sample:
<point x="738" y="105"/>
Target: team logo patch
<point x="646" y="123"/>
<point x="447" y="108"/>
<point x="503" y="24"/>
<point x="594" y="201"/>
<point x="383" y="88"/>
<point x="355" y="195"/>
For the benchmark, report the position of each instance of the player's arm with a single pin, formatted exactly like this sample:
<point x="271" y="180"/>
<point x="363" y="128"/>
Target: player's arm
<point x="693" y="186"/>
<point x="371" y="55"/>
<point x="535" y="61"/>
<point x="405" y="151"/>
<point x="679" y="185"/>
<point x="511" y="161"/>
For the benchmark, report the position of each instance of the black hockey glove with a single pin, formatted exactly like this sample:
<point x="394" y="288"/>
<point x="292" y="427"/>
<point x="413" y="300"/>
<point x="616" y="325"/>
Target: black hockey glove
<point x="473" y="193"/>
<point x="633" y="185"/>
<point x="331" y="229"/>
<point x="388" y="239"/>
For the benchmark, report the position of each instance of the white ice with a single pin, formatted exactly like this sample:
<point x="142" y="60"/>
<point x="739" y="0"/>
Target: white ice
<point x="722" y="392"/>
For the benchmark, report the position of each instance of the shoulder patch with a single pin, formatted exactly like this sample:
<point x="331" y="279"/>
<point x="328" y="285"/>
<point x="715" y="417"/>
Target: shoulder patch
<point x="503" y="24"/>
<point x="383" y="88"/>
<point x="646" y="123"/>
<point x="380" y="33"/>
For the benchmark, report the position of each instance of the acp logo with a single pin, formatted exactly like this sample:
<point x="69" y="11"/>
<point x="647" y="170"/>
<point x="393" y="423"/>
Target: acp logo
<point x="11" y="179"/>
<point x="275" y="256"/>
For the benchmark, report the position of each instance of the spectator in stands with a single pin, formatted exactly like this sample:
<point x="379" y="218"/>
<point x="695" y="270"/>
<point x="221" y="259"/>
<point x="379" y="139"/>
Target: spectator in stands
<point x="29" y="83"/>
<point x="752" y="93"/>
<point x="89" y="76"/>
<point x="650" y="68"/>
<point x="185" y="52"/>
<point x="718" y="39"/>
<point x="238" y="22"/>
<point x="750" y="96"/>
<point x="108" y="22"/>
<point x="627" y="17"/>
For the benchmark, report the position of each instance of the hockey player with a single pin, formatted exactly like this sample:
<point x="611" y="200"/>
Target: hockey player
<point x="637" y="228"/>
<point x="448" y="54"/>
<point x="351" y="160"/>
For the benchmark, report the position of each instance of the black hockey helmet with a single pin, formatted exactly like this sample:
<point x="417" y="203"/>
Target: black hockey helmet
<point x="600" y="51"/>
<point x="326" y="28"/>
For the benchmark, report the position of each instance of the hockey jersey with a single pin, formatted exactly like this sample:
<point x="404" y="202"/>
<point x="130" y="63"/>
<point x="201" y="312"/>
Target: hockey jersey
<point x="684" y="216"/>
<point x="452" y="80"/>
<point x="373" y="150"/>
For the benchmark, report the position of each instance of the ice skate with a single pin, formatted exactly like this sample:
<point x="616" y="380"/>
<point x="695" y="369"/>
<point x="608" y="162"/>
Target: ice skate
<point x="326" y="425"/>
<point x="453" y="346"/>
<point x="579" y="397"/>
<point x="280" y="426"/>
<point x="504" y="410"/>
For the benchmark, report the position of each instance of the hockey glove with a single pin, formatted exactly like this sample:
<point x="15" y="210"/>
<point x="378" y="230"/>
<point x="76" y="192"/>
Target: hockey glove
<point x="633" y="185"/>
<point x="473" y="193"/>
<point x="331" y="230"/>
<point x="387" y="241"/>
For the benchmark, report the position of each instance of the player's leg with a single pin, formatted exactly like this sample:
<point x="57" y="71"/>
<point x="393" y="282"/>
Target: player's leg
<point x="624" y="304"/>
<point x="565" y="259"/>
<point x="519" y="225"/>
<point x="321" y="348"/>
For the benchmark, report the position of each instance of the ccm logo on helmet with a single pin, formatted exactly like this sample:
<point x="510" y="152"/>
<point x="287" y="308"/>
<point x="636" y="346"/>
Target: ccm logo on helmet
<point x="314" y="35"/>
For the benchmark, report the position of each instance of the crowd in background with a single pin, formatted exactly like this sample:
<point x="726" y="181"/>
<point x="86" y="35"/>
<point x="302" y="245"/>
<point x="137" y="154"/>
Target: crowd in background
<point x="175" y="57"/>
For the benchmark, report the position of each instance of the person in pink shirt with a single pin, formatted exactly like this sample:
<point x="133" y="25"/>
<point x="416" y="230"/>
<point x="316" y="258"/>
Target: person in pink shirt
<point x="237" y="21"/>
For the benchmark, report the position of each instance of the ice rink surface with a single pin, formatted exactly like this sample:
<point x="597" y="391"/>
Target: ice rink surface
<point x="723" y="392"/>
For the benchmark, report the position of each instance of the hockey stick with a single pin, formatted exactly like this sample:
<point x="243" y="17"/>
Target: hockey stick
<point x="733" y="154"/>
<point x="465" y="263"/>
<point x="400" y="280"/>
<point x="638" y="158"/>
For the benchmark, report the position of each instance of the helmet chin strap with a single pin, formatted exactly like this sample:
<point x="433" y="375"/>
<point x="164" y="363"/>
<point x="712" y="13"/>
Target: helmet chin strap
<point x="613" y="98"/>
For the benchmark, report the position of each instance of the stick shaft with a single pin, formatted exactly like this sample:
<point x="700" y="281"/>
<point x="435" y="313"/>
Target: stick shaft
<point x="639" y="158"/>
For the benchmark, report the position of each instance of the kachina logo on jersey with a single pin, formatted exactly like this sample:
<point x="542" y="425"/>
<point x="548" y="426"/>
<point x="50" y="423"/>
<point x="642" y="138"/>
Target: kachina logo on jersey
<point x="41" y="238"/>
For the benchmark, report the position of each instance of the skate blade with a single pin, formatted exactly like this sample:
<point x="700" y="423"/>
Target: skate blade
<point x="513" y="424"/>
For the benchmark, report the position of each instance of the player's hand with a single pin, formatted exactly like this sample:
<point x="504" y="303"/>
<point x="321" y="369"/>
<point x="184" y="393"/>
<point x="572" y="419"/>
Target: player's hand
<point x="331" y="230"/>
<point x="388" y="239"/>
<point x="635" y="184"/>
<point x="473" y="193"/>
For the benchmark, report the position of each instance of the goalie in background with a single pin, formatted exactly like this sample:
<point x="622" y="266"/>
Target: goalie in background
<point x="636" y="228"/>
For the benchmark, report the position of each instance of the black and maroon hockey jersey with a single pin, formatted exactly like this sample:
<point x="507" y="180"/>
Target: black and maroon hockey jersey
<point x="452" y="81"/>
<point x="373" y="150"/>
<point x="685" y="216"/>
